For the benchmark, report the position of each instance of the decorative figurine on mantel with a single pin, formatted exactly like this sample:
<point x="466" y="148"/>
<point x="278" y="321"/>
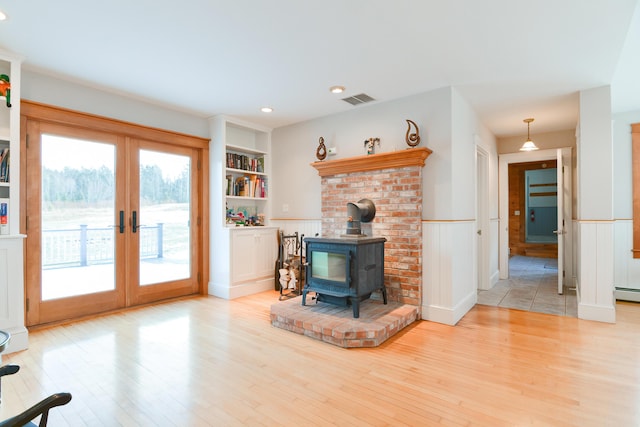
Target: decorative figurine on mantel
<point x="370" y="144"/>
<point x="321" y="152"/>
<point x="412" y="139"/>
<point x="5" y="88"/>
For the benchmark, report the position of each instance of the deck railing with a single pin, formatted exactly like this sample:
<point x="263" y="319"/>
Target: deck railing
<point x="79" y="247"/>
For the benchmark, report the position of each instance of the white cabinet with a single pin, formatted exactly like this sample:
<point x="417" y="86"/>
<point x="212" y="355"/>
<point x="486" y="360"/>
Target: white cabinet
<point x="242" y="258"/>
<point x="12" y="302"/>
<point x="254" y="251"/>
<point x="243" y="261"/>
<point x="12" y="291"/>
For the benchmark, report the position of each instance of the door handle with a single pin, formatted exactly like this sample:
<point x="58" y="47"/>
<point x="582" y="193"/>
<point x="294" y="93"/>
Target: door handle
<point x="558" y="231"/>
<point x="121" y="226"/>
<point x="134" y="221"/>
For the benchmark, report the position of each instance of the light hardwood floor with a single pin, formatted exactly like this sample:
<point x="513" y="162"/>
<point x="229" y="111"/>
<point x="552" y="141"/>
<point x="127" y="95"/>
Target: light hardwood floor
<point x="206" y="361"/>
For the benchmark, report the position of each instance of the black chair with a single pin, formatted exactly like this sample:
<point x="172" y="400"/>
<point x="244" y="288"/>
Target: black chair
<point x="39" y="409"/>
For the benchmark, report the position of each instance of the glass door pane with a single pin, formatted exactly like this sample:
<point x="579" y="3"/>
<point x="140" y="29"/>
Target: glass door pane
<point x="78" y="201"/>
<point x="165" y="212"/>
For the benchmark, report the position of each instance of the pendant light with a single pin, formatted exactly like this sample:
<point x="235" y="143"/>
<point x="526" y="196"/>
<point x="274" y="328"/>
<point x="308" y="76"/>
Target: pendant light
<point x="528" y="144"/>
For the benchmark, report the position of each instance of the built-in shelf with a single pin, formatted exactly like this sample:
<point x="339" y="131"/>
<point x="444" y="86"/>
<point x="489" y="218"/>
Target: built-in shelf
<point x="245" y="172"/>
<point x="392" y="159"/>
<point x="247" y="198"/>
<point x="241" y="149"/>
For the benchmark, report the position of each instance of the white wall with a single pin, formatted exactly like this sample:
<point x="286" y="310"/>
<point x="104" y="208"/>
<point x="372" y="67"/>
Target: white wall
<point x="297" y="184"/>
<point x="595" y="226"/>
<point x="50" y="90"/>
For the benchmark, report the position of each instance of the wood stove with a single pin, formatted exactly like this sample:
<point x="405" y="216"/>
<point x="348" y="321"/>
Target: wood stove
<point x="344" y="271"/>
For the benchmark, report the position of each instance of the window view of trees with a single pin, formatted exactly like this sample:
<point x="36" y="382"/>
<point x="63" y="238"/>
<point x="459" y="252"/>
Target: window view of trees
<point x="96" y="186"/>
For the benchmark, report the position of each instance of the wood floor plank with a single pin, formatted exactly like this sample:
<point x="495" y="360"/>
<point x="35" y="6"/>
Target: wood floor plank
<point x="211" y="362"/>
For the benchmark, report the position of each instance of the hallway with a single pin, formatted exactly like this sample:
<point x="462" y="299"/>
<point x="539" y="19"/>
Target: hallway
<point x="531" y="286"/>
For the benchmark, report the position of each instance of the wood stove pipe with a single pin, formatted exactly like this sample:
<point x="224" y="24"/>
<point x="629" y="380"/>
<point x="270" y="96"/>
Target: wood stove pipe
<point x="362" y="211"/>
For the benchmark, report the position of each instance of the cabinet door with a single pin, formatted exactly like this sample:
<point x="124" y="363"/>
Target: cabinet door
<point x="267" y="252"/>
<point x="243" y="263"/>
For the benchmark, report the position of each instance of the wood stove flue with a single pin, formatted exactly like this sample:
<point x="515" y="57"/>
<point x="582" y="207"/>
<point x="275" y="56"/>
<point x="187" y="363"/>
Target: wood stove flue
<point x="362" y="211"/>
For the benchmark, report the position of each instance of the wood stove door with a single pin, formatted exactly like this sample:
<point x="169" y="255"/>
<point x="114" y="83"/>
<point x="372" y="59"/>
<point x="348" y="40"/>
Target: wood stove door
<point x="328" y="268"/>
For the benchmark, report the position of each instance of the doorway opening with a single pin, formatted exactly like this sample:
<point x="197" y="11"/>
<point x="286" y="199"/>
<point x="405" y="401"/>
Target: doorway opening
<point x="533" y="209"/>
<point x="512" y="206"/>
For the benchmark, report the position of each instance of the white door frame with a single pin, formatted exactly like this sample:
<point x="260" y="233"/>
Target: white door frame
<point x="504" y="160"/>
<point x="482" y="218"/>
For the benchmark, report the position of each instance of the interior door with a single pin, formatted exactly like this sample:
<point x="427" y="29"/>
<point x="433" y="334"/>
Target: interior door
<point x="560" y="231"/>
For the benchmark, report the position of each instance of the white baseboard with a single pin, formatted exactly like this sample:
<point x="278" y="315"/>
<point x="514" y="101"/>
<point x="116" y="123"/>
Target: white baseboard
<point x="449" y="316"/>
<point x="495" y="277"/>
<point x="242" y="290"/>
<point x="19" y="339"/>
<point x="597" y="313"/>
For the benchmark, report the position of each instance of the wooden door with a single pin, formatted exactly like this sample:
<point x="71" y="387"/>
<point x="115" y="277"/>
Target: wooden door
<point x="112" y="222"/>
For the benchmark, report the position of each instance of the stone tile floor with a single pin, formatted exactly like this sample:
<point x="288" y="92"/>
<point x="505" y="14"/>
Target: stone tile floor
<point x="532" y="286"/>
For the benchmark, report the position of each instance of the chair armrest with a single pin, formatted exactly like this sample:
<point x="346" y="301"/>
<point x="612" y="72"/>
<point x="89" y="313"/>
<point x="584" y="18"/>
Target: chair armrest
<point x="40" y="408"/>
<point x="8" y="370"/>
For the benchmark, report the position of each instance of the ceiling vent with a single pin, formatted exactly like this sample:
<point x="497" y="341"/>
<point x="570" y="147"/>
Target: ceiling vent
<point x="358" y="99"/>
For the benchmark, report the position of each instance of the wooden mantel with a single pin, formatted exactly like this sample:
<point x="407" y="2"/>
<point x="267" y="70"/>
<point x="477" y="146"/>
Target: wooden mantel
<point x="388" y="160"/>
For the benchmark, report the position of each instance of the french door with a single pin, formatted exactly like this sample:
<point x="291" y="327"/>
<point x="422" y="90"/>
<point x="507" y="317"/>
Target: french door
<point x="112" y="221"/>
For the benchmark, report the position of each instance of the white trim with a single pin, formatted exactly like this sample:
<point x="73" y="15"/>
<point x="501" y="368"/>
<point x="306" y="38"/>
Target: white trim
<point x="236" y="291"/>
<point x="596" y="312"/>
<point x="482" y="256"/>
<point x="449" y="316"/>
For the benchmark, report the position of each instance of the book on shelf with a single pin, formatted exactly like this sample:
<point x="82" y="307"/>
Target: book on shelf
<point x="244" y="162"/>
<point x="247" y="186"/>
<point x="4" y="165"/>
<point x="4" y="216"/>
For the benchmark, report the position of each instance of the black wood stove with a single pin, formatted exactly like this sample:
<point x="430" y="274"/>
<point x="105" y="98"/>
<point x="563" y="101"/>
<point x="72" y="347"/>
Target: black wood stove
<point x="345" y="270"/>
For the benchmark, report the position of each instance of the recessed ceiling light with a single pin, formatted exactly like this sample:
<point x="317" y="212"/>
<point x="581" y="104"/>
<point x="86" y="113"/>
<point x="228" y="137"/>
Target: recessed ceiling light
<point x="266" y="109"/>
<point x="3" y="16"/>
<point x="337" y="89"/>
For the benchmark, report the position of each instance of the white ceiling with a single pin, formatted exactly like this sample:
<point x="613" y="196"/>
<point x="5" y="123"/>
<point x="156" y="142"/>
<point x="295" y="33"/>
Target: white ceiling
<point x="510" y="59"/>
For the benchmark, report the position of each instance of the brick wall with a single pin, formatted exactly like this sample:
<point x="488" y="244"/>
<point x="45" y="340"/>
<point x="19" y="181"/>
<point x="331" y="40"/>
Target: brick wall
<point x="397" y="195"/>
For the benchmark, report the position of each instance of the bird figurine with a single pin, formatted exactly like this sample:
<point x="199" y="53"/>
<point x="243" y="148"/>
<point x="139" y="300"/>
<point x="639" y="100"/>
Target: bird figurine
<point x="5" y="88"/>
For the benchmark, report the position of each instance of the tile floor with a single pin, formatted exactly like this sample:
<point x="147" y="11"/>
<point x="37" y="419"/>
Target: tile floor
<point x="532" y="286"/>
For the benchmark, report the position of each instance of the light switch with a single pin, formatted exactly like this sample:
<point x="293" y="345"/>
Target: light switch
<point x="516" y="213"/>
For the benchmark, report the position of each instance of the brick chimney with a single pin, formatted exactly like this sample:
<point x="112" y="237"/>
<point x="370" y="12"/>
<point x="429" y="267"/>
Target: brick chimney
<point x="393" y="181"/>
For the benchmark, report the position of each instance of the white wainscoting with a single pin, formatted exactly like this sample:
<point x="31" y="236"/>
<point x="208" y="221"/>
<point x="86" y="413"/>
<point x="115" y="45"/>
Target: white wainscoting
<point x="308" y="227"/>
<point x="626" y="276"/>
<point x="596" y="299"/>
<point x="449" y="277"/>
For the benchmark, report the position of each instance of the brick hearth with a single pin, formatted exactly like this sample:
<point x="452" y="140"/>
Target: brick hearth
<point x="334" y="324"/>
